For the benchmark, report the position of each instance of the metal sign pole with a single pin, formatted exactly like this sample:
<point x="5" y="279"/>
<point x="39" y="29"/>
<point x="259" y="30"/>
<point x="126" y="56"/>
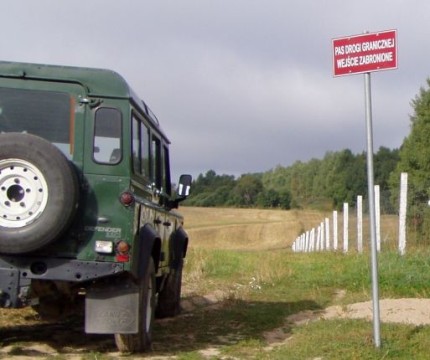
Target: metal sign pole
<point x="361" y="54"/>
<point x="370" y="181"/>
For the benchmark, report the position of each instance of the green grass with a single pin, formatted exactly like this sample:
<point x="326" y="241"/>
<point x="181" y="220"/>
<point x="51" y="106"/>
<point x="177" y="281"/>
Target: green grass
<point x="281" y="272"/>
<point x="263" y="288"/>
<point x="348" y="339"/>
<point x="259" y="288"/>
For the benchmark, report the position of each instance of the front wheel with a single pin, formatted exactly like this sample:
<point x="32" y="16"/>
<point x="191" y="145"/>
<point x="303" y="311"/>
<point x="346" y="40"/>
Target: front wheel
<point x="141" y="341"/>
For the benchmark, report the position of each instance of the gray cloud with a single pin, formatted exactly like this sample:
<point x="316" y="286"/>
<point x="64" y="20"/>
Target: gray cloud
<point x="240" y="86"/>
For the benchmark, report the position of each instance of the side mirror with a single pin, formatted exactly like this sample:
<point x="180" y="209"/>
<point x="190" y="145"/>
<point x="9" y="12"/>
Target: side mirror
<point x="182" y="192"/>
<point x="184" y="185"/>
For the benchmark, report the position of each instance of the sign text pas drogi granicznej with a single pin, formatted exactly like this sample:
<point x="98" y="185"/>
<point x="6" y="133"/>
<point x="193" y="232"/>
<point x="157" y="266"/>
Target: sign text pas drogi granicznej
<point x="365" y="53"/>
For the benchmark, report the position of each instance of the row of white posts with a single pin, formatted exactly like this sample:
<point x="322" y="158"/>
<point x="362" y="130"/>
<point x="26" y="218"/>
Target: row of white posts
<point x="321" y="238"/>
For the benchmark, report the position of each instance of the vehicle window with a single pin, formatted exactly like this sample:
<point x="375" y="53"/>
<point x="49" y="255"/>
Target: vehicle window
<point x="144" y="145"/>
<point x="156" y="163"/>
<point x="136" y="146"/>
<point x="107" y="136"/>
<point x="141" y="148"/>
<point x="47" y="114"/>
<point x="166" y="171"/>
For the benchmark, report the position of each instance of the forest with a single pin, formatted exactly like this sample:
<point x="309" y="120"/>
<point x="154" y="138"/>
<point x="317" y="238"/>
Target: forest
<point x="338" y="177"/>
<point x="319" y="183"/>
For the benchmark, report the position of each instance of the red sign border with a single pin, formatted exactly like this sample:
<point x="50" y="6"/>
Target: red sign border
<point x="364" y="35"/>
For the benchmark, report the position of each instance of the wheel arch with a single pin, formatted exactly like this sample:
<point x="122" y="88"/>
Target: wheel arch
<point x="147" y="245"/>
<point x="178" y="246"/>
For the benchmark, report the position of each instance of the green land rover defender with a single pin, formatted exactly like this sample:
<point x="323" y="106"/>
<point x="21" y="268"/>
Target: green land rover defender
<point x="87" y="211"/>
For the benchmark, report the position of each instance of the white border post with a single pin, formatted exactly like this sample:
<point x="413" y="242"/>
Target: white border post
<point x="360" y="224"/>
<point x="335" y="237"/>
<point x="402" y="212"/>
<point x="322" y="235"/>
<point x="318" y="238"/>
<point x="378" y="217"/>
<point x="327" y="234"/>
<point x="306" y="236"/>
<point x="345" y="227"/>
<point x="312" y="240"/>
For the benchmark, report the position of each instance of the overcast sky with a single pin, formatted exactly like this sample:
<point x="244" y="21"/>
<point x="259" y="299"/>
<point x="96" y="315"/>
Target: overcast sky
<point x="238" y="85"/>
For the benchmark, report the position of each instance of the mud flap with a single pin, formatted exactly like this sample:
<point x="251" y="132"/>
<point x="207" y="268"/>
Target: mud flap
<point x="112" y="310"/>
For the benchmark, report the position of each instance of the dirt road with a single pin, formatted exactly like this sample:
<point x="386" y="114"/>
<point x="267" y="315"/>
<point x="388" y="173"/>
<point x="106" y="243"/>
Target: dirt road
<point x="24" y="336"/>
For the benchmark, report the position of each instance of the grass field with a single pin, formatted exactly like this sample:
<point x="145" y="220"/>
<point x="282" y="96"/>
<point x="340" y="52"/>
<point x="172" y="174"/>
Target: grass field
<point x="244" y="228"/>
<point x="255" y="229"/>
<point x="246" y="295"/>
<point x="243" y="258"/>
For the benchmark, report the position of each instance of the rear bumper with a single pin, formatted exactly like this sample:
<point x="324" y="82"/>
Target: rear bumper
<point x="16" y="274"/>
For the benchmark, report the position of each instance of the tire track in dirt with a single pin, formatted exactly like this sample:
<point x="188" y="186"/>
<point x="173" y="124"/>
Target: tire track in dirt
<point x="42" y="340"/>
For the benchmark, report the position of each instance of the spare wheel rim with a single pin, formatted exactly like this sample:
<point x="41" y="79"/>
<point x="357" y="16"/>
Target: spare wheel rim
<point x="23" y="193"/>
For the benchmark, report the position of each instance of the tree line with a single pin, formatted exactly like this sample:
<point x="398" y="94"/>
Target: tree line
<point x="320" y="183"/>
<point x="336" y="178"/>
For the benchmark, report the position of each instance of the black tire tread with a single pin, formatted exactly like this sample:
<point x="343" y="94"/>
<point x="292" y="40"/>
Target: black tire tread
<point x="62" y="188"/>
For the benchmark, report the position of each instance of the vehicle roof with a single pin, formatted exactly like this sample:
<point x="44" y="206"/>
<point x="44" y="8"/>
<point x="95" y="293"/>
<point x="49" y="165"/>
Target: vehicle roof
<point x="97" y="82"/>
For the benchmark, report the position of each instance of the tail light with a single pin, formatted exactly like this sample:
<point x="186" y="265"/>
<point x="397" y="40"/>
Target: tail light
<point x="126" y="198"/>
<point x="122" y="250"/>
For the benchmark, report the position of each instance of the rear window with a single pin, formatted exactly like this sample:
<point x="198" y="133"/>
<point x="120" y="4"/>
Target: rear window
<point x="42" y="113"/>
<point x="107" y="136"/>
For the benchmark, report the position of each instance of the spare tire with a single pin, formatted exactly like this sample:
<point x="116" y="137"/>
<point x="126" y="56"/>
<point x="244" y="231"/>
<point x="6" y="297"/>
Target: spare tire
<point x="38" y="193"/>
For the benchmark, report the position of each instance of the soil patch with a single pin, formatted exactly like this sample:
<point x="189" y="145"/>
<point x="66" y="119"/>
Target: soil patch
<point x="406" y="311"/>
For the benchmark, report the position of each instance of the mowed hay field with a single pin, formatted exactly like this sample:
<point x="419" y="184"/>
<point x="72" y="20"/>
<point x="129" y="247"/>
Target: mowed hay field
<point x="230" y="228"/>
<point x="256" y="229"/>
